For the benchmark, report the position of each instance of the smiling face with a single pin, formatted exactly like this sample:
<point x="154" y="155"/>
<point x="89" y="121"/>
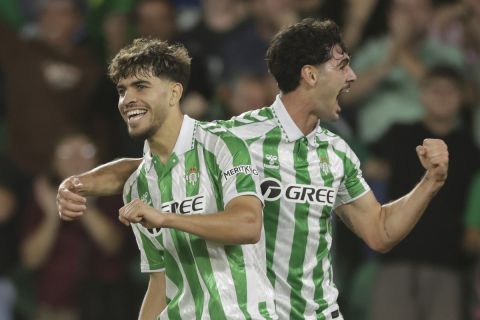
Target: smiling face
<point x="333" y="77"/>
<point x="144" y="102"/>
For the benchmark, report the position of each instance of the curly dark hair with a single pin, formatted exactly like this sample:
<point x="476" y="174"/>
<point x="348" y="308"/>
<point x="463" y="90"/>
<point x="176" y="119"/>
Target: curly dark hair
<point x="151" y="57"/>
<point x="309" y="41"/>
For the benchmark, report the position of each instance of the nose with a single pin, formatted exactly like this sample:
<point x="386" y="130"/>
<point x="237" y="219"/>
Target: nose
<point x="127" y="98"/>
<point x="351" y="76"/>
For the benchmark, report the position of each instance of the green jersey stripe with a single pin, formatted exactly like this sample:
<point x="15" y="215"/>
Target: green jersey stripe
<point x="185" y="255"/>
<point x="353" y="183"/>
<point x="237" y="147"/>
<point x="173" y="307"/>
<point x="299" y="244"/>
<point x="271" y="169"/>
<point x="147" y="249"/>
<point x="235" y="259"/>
<point x="215" y="306"/>
<point x="214" y="174"/>
<point x="319" y="279"/>
<point x="192" y="176"/>
<point x="262" y="308"/>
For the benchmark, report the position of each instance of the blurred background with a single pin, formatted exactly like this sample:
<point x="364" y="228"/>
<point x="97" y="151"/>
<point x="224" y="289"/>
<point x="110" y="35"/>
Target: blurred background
<point x="419" y="76"/>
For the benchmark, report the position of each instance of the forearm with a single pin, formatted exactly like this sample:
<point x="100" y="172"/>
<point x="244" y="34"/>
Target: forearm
<point x="154" y="301"/>
<point x="399" y="217"/>
<point x="107" y="179"/>
<point x="36" y="248"/>
<point x="222" y="227"/>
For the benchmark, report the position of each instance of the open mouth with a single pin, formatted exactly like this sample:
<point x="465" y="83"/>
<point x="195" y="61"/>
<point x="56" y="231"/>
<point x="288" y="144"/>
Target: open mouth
<point x="345" y="89"/>
<point x="134" y="115"/>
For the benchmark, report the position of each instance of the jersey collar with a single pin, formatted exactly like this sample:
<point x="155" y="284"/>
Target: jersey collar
<point x="185" y="141"/>
<point x="290" y="131"/>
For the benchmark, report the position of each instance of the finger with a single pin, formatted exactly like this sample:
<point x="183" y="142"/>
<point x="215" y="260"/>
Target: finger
<point x="71" y="196"/>
<point x="71" y="214"/>
<point x="68" y="205"/>
<point x="123" y="220"/>
<point x="421" y="151"/>
<point x="64" y="218"/>
<point x="438" y="160"/>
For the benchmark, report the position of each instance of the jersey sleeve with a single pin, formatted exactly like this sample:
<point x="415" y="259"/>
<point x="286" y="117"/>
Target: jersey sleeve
<point x="238" y="175"/>
<point x="353" y="185"/>
<point x="151" y="249"/>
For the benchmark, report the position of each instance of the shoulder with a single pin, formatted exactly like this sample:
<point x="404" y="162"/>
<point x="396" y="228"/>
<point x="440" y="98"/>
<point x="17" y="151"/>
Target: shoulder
<point x="133" y="178"/>
<point x="326" y="136"/>
<point x="251" y="124"/>
<point x="215" y="136"/>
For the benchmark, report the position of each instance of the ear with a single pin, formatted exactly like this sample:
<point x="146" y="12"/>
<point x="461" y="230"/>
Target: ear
<point x="309" y="74"/>
<point x="176" y="91"/>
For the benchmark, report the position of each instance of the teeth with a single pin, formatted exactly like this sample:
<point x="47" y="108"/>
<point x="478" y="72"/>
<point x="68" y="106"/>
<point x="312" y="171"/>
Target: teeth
<point x="133" y="113"/>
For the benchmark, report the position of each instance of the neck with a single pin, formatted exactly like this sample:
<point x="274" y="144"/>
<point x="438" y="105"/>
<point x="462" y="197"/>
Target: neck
<point x="440" y="127"/>
<point x="165" y="138"/>
<point x="300" y="110"/>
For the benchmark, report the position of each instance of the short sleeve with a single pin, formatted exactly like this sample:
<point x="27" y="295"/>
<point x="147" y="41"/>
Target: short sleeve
<point x="151" y="249"/>
<point x="353" y="185"/>
<point x="238" y="175"/>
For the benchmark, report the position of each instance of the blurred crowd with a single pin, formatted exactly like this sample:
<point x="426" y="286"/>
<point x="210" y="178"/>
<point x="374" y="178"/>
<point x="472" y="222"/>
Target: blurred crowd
<point x="418" y="68"/>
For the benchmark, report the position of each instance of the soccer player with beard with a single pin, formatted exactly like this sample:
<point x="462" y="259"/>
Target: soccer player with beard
<point x="194" y="199"/>
<point x="307" y="173"/>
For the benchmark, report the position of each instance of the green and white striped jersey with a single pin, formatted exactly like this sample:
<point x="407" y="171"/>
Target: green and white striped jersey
<point x="208" y="167"/>
<point x="303" y="178"/>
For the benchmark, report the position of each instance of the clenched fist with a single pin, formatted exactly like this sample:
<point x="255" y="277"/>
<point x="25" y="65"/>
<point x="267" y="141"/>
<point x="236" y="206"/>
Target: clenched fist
<point x="433" y="155"/>
<point x="137" y="211"/>
<point x="70" y="203"/>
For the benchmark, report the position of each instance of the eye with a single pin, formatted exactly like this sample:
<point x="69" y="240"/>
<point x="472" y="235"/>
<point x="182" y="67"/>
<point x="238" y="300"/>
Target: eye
<point x="121" y="91"/>
<point x="140" y="86"/>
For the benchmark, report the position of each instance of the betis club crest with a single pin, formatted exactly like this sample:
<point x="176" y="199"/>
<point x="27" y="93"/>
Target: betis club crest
<point x="192" y="175"/>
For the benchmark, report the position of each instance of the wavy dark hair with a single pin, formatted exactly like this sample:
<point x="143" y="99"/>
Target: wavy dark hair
<point x="309" y="41"/>
<point x="151" y="57"/>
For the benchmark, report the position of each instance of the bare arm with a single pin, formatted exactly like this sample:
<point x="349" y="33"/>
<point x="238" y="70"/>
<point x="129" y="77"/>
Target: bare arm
<point x="239" y="223"/>
<point x="107" y="179"/>
<point x="154" y="301"/>
<point x="382" y="227"/>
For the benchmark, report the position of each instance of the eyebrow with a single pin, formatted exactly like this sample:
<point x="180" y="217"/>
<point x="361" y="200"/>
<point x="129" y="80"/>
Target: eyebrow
<point x="134" y="83"/>
<point x="345" y="61"/>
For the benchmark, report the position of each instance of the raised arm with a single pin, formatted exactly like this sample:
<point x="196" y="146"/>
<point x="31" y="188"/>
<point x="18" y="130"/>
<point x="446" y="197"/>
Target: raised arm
<point x="107" y="179"/>
<point x="382" y="227"/>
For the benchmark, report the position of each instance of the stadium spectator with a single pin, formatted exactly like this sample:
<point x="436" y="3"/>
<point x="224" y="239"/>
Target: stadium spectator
<point x="420" y="278"/>
<point x="49" y="81"/>
<point x="68" y="256"/>
<point x="390" y="68"/>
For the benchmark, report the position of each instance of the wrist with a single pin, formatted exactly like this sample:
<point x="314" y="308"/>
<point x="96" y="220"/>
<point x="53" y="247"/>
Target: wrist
<point x="167" y="219"/>
<point x="431" y="184"/>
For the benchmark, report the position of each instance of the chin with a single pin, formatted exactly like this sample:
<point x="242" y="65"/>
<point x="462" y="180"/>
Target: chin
<point x="142" y="134"/>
